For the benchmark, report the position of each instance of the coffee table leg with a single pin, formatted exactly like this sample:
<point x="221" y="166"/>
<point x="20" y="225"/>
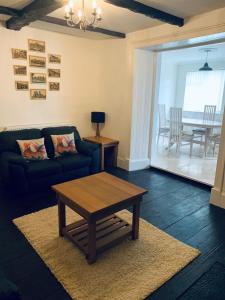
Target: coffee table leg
<point x="62" y="216"/>
<point x="91" y="257"/>
<point x="135" y="221"/>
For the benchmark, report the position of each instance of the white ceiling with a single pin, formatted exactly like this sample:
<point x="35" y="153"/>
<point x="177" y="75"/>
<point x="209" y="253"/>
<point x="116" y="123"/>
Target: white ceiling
<point x="195" y="54"/>
<point x="185" y="8"/>
<point x="123" y="20"/>
<point x="18" y="4"/>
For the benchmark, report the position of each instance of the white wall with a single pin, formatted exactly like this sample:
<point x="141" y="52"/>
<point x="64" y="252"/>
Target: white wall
<point x="113" y="93"/>
<point x="141" y="109"/>
<point x="79" y="93"/>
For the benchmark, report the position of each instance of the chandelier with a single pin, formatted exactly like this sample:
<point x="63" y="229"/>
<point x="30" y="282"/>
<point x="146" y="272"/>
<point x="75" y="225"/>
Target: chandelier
<point x="80" y="19"/>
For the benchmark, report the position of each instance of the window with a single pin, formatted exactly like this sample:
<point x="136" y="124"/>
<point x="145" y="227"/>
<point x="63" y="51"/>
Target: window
<point x="204" y="88"/>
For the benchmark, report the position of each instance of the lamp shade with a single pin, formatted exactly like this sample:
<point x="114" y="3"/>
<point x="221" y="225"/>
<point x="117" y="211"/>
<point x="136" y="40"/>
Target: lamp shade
<point x="206" y="67"/>
<point x="97" y="117"/>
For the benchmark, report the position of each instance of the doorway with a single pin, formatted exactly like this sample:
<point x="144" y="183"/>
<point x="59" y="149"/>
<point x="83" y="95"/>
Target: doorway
<point x="181" y="83"/>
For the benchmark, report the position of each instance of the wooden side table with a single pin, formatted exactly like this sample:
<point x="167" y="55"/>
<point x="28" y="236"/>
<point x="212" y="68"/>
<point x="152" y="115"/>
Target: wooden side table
<point x="105" y="143"/>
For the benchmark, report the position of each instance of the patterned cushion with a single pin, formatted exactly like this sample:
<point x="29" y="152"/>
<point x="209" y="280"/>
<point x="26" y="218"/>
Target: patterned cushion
<point x="63" y="143"/>
<point x="33" y="149"/>
<point x="47" y="132"/>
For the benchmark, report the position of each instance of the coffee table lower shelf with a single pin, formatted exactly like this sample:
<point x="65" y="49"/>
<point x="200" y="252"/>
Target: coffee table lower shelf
<point x="109" y="232"/>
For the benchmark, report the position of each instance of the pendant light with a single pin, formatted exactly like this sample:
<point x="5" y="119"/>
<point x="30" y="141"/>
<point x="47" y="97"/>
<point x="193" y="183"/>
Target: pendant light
<point x="206" y="66"/>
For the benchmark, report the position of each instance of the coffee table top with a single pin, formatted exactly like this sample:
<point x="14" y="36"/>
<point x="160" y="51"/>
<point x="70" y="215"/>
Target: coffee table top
<point x="97" y="192"/>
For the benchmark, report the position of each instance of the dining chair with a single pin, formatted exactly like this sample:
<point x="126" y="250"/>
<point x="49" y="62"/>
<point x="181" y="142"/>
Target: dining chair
<point x="214" y="138"/>
<point x="163" y="124"/>
<point x="208" y="115"/>
<point x="176" y="134"/>
<point x="200" y="133"/>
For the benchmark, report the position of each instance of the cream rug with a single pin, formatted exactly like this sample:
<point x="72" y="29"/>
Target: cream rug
<point x="129" y="271"/>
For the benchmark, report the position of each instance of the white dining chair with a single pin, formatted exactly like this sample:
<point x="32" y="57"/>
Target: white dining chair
<point x="208" y="115"/>
<point x="214" y="139"/>
<point x="200" y="133"/>
<point x="176" y="134"/>
<point x="163" y="124"/>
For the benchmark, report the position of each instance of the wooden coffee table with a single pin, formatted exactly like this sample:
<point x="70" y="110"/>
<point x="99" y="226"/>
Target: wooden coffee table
<point x="96" y="198"/>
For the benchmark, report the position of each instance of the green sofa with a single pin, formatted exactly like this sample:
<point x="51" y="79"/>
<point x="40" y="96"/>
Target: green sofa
<point x="23" y="176"/>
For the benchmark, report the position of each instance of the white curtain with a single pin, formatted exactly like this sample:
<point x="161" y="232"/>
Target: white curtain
<point x="204" y="88"/>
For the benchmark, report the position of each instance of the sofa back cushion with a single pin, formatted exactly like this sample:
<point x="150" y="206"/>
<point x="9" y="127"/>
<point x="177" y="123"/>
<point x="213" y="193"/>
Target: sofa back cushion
<point x="47" y="132"/>
<point x="8" y="138"/>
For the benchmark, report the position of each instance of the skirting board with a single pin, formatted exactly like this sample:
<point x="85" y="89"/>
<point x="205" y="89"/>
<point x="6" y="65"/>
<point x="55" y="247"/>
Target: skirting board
<point x="133" y="165"/>
<point x="217" y="198"/>
<point x="123" y="163"/>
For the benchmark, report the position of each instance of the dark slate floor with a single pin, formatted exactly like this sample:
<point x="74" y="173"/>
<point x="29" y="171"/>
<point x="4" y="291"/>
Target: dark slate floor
<point x="173" y="204"/>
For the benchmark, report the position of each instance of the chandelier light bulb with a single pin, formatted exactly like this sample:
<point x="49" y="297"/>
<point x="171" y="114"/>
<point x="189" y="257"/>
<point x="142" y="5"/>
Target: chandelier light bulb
<point x="99" y="11"/>
<point x="71" y="4"/>
<point x="80" y="13"/>
<point x="67" y="9"/>
<point x="94" y="5"/>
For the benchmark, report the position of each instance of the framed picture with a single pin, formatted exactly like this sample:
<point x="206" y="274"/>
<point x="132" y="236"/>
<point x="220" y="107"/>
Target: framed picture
<point x="22" y="85"/>
<point x="38" y="94"/>
<point x="19" y="54"/>
<point x="37" y="61"/>
<point x="37" y="46"/>
<point x="54" y="86"/>
<point x="54" y="59"/>
<point x="37" y="77"/>
<point x="54" y="73"/>
<point x="20" y="70"/>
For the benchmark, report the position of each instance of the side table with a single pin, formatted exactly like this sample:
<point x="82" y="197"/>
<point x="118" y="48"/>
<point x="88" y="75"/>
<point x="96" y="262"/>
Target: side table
<point x="105" y="143"/>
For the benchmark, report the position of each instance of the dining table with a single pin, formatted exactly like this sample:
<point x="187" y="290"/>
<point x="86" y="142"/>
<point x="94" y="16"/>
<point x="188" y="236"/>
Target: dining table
<point x="203" y="124"/>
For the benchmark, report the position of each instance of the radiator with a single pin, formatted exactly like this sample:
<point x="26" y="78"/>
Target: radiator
<point x="39" y="126"/>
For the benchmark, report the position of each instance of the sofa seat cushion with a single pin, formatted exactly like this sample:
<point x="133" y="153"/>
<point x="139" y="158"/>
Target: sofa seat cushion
<point x="73" y="161"/>
<point x="44" y="168"/>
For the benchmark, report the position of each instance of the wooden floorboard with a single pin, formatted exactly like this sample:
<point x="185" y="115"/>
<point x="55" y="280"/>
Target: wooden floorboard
<point x="178" y="206"/>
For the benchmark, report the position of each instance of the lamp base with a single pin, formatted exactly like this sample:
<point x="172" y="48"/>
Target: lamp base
<point x="97" y="130"/>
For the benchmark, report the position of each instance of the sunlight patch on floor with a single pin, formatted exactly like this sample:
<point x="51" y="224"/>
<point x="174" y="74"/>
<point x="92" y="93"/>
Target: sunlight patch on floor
<point x="197" y="167"/>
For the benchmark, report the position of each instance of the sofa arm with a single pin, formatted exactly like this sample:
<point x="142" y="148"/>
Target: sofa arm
<point x="92" y="150"/>
<point x="86" y="148"/>
<point x="13" y="170"/>
<point x="14" y="158"/>
<point x="8" y="290"/>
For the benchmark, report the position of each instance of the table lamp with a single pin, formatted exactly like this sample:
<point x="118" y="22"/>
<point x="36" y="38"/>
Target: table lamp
<point x="97" y="117"/>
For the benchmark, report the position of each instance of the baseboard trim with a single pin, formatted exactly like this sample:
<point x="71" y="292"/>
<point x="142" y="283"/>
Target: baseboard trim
<point x="133" y="165"/>
<point x="123" y="163"/>
<point x="138" y="164"/>
<point x="217" y="198"/>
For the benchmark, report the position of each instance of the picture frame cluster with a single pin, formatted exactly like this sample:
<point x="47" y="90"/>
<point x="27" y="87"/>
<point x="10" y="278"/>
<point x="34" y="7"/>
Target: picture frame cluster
<point x="42" y="70"/>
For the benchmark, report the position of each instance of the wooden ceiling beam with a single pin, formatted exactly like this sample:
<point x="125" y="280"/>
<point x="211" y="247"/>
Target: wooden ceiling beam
<point x="148" y="11"/>
<point x="62" y="22"/>
<point x="33" y="12"/>
<point x="9" y="11"/>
